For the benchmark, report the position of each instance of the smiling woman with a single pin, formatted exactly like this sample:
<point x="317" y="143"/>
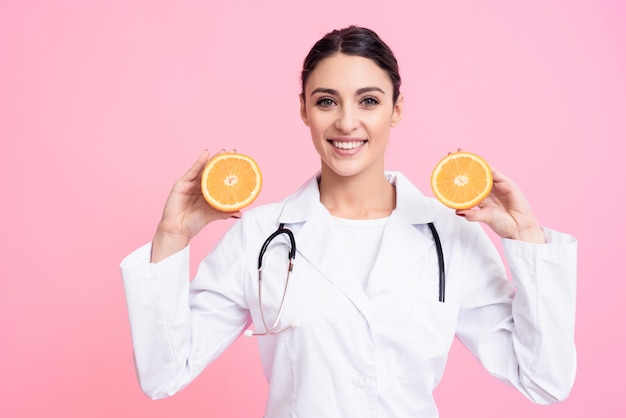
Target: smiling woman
<point x="366" y="326"/>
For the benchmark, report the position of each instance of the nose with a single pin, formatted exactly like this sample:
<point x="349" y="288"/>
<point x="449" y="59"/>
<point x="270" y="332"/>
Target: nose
<point x="347" y="120"/>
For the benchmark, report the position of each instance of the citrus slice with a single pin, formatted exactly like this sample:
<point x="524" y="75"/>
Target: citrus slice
<point x="231" y="181"/>
<point x="461" y="180"/>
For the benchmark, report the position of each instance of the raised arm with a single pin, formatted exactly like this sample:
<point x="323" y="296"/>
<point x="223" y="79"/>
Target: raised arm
<point x="179" y="326"/>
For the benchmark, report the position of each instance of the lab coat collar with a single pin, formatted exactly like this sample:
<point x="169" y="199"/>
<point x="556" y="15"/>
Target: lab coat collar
<point x="412" y="206"/>
<point x="314" y="235"/>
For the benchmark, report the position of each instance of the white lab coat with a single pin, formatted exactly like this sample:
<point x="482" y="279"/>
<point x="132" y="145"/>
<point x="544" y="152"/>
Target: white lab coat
<point x="374" y="352"/>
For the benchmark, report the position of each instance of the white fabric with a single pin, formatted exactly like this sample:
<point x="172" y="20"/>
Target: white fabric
<point x="360" y="240"/>
<point x="362" y="354"/>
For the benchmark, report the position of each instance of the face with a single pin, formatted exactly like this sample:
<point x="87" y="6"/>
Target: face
<point x="348" y="106"/>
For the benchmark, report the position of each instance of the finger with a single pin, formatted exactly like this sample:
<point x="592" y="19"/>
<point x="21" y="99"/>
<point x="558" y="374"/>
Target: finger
<point x="197" y="167"/>
<point x="226" y="215"/>
<point x="498" y="177"/>
<point x="475" y="215"/>
<point x="503" y="185"/>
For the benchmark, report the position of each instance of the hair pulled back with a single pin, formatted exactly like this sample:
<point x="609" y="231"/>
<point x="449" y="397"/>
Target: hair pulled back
<point x="357" y="41"/>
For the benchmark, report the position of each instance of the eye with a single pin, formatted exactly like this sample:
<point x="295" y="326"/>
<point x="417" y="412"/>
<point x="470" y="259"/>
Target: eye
<point x="369" y="101"/>
<point x="325" y="102"/>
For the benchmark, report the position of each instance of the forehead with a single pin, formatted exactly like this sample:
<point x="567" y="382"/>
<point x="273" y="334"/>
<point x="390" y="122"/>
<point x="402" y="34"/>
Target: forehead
<point x="348" y="73"/>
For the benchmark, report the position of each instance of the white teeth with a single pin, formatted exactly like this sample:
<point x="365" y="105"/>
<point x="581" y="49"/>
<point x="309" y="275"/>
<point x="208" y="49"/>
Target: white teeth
<point x="348" y="145"/>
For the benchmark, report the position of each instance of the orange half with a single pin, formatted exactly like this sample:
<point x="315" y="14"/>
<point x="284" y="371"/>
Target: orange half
<point x="231" y="181"/>
<point x="461" y="180"/>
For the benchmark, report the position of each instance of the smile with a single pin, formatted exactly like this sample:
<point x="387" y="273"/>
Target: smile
<point x="347" y="144"/>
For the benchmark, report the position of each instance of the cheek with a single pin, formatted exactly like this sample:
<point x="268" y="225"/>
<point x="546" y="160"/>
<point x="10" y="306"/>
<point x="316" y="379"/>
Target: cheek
<point x="315" y="131"/>
<point x="320" y="122"/>
<point x="378" y="123"/>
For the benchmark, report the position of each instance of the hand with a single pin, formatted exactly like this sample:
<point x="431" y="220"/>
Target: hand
<point x="186" y="212"/>
<point x="506" y="211"/>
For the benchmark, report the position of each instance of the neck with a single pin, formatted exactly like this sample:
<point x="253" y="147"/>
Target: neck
<point x="364" y="196"/>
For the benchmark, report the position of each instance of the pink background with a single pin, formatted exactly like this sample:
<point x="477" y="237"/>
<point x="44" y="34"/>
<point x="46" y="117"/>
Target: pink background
<point x="103" y="104"/>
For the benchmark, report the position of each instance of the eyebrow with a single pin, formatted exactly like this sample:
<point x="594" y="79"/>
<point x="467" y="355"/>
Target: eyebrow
<point x="334" y="92"/>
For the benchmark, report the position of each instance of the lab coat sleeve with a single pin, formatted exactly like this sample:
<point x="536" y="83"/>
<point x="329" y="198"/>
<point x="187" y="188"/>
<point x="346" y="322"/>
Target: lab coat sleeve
<point x="179" y="327"/>
<point x="523" y="332"/>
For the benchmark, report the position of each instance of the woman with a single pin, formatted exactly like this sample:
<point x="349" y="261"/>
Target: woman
<point x="362" y="331"/>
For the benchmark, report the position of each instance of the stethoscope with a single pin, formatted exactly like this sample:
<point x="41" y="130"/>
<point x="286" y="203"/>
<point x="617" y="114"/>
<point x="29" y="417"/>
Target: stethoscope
<point x="274" y="328"/>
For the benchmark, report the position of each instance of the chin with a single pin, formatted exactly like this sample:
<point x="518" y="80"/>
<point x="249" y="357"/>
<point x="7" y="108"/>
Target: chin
<point x="350" y="169"/>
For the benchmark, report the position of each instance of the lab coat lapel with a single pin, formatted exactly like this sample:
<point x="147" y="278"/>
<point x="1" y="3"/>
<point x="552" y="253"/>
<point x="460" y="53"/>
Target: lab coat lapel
<point x="318" y="246"/>
<point x="403" y="242"/>
<point x="311" y="223"/>
<point x="401" y="246"/>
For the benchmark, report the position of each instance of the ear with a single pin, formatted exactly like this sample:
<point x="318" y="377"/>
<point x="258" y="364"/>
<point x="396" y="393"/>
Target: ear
<point x="303" y="114"/>
<point x="398" y="111"/>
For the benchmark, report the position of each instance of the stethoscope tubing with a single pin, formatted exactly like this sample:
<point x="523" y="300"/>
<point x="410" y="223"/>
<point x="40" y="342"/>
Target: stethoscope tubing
<point x="442" y="270"/>
<point x="292" y="255"/>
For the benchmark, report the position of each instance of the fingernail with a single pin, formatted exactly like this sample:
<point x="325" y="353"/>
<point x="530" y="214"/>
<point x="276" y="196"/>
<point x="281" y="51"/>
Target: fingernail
<point x="461" y="214"/>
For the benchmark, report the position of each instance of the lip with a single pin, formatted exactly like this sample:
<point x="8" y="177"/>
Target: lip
<point x="343" y="151"/>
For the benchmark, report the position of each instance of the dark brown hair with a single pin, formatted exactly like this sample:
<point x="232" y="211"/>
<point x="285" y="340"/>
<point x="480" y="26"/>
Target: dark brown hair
<point x="358" y="41"/>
